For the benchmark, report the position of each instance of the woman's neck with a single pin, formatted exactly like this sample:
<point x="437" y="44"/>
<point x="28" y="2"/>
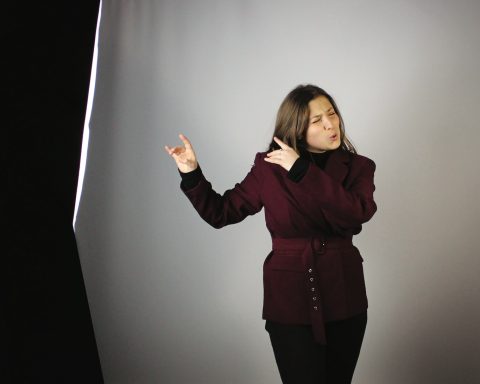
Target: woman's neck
<point x="314" y="150"/>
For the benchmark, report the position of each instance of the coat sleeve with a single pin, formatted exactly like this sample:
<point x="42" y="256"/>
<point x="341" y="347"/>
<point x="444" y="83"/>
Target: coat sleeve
<point x="234" y="205"/>
<point x="344" y="207"/>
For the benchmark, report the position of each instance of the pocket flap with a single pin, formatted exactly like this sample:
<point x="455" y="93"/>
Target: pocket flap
<point x="286" y="260"/>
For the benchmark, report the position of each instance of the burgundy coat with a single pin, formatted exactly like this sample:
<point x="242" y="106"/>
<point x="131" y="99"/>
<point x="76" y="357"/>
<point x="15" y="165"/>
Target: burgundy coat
<point x="313" y="274"/>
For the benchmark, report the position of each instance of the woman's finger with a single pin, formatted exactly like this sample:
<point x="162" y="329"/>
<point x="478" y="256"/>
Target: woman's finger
<point x="280" y="143"/>
<point x="274" y="161"/>
<point x="271" y="160"/>
<point x="277" y="152"/>
<point x="185" y="141"/>
<point x="170" y="150"/>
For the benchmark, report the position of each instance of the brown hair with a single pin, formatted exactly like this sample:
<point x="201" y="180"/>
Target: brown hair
<point x="293" y="119"/>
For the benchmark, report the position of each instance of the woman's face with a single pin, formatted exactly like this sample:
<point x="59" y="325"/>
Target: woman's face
<point x="323" y="132"/>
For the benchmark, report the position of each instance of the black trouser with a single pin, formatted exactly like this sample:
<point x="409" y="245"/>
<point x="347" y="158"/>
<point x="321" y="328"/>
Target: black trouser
<point x="302" y="361"/>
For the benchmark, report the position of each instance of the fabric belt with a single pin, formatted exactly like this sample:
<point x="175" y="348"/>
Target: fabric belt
<point x="310" y="247"/>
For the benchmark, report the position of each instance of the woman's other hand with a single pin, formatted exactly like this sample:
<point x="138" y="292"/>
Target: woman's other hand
<point x="183" y="155"/>
<point x="285" y="156"/>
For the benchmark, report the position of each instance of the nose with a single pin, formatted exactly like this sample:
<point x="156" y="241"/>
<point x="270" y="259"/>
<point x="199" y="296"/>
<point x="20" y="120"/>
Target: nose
<point x="327" y="123"/>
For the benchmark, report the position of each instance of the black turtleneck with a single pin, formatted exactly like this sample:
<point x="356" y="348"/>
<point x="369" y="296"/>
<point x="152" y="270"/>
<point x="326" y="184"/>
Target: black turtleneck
<point x="299" y="168"/>
<point x="296" y="173"/>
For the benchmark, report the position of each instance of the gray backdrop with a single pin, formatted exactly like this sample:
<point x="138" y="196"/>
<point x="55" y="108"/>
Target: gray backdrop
<point x="176" y="301"/>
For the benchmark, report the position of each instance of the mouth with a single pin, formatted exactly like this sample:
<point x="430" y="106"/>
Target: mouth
<point x="333" y="137"/>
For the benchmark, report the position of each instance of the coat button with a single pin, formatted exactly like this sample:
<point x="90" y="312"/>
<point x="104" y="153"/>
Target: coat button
<point x="315" y="308"/>
<point x="314" y="298"/>
<point x="313" y="289"/>
<point x="311" y="279"/>
<point x="310" y="270"/>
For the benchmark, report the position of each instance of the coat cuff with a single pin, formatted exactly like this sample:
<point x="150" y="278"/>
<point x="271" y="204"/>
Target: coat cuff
<point x="298" y="170"/>
<point x="190" y="179"/>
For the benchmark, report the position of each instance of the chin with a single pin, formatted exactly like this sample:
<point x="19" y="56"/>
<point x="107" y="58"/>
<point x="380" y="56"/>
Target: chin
<point x="325" y="147"/>
<point x="335" y="146"/>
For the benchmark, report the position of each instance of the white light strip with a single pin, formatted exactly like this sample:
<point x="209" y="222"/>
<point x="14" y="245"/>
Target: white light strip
<point x="86" y="128"/>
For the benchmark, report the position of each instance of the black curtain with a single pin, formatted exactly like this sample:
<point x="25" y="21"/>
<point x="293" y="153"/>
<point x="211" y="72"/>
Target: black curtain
<point x="46" y="329"/>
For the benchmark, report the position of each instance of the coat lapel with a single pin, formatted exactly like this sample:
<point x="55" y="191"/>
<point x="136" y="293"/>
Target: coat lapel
<point x="337" y="165"/>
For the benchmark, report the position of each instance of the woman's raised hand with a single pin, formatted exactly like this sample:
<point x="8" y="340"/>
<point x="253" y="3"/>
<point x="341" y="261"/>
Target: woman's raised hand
<point x="183" y="155"/>
<point x="285" y="156"/>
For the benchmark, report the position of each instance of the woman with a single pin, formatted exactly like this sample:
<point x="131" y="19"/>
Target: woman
<point x="316" y="192"/>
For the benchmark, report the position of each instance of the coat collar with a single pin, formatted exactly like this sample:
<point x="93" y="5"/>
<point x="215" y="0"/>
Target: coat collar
<point x="337" y="164"/>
